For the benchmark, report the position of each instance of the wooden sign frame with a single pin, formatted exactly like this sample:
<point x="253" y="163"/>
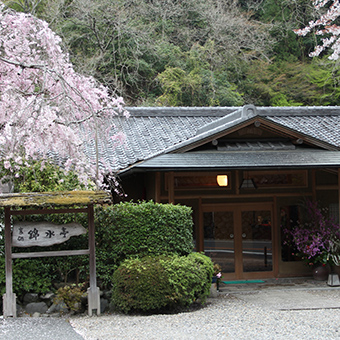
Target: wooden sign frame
<point x="9" y="298"/>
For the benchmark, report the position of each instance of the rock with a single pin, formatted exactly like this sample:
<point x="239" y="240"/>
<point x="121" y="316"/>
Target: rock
<point x="31" y="297"/>
<point x="36" y="307"/>
<point x="36" y="315"/>
<point x="104" y="305"/>
<point x="107" y="294"/>
<point x="20" y="310"/>
<point x="59" y="307"/>
<point x="52" y="309"/>
<point x="47" y="296"/>
<point x="83" y="299"/>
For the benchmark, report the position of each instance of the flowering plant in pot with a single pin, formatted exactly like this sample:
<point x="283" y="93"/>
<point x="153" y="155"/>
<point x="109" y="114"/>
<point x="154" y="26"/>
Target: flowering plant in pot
<point x="217" y="275"/>
<point x="316" y="239"/>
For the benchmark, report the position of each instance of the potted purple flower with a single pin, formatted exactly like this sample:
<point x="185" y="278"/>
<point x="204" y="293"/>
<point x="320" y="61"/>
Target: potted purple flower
<point x="316" y="240"/>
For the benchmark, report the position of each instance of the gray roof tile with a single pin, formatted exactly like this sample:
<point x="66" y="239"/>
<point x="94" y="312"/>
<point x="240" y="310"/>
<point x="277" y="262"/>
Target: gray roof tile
<point x="325" y="128"/>
<point x="157" y="130"/>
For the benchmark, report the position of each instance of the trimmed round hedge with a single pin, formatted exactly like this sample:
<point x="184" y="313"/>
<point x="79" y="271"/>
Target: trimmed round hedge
<point x="161" y="282"/>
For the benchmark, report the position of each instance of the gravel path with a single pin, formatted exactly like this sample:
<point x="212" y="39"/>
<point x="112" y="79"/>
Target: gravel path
<point x="26" y="328"/>
<point x="225" y="317"/>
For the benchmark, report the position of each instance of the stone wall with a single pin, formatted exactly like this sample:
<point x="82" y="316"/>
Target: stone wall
<point x="47" y="305"/>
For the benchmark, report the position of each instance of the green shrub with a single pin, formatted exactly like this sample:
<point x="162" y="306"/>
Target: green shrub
<point x="130" y="230"/>
<point x="29" y="275"/>
<point x="71" y="295"/>
<point x="155" y="283"/>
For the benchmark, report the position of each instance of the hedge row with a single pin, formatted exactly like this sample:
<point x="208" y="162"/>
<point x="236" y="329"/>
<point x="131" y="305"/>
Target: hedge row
<point x="140" y="229"/>
<point x="125" y="230"/>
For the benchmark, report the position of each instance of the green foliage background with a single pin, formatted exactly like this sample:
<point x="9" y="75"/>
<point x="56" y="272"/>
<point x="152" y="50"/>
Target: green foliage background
<point x="195" y="52"/>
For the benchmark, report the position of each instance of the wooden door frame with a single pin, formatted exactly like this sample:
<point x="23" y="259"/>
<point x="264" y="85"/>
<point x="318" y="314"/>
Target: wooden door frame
<point x="236" y="208"/>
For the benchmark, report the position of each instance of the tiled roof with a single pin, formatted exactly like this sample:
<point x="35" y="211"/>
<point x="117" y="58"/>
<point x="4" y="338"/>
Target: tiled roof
<point x="241" y="160"/>
<point x="324" y="128"/>
<point x="153" y="131"/>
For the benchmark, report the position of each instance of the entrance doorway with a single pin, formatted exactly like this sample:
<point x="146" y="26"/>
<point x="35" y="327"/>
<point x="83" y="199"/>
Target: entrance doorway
<point x="239" y="239"/>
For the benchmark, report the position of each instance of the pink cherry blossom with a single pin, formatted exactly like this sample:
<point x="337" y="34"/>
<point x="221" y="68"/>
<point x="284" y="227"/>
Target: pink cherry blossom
<point x="46" y="108"/>
<point x="325" y="26"/>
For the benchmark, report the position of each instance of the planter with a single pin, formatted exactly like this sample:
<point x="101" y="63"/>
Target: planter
<point x="321" y="272"/>
<point x="213" y="291"/>
<point x="215" y="281"/>
<point x="333" y="280"/>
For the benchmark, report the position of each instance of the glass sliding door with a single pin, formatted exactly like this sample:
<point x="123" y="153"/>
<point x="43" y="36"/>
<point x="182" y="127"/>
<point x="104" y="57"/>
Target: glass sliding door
<point x="239" y="238"/>
<point x="257" y="250"/>
<point x="219" y="238"/>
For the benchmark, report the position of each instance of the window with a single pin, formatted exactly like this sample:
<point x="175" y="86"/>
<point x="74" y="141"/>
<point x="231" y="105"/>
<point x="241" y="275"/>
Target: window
<point x="274" y="179"/>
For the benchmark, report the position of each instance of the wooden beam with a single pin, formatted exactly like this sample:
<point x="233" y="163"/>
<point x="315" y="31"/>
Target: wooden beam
<point x="232" y="196"/>
<point x="55" y="198"/>
<point x="327" y="187"/>
<point x="51" y="253"/>
<point x="48" y="211"/>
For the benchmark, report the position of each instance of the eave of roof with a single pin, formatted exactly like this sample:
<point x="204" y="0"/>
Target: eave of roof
<point x="242" y="160"/>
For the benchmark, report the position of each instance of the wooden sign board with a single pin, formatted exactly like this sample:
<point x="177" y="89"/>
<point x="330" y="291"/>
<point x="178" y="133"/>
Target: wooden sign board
<point x="43" y="234"/>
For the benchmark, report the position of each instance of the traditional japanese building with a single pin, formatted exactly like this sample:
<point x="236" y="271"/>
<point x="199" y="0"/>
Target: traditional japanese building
<point x="245" y="171"/>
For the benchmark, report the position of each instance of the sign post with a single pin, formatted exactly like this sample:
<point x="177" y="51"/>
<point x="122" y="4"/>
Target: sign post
<point x="9" y="298"/>
<point x="28" y="234"/>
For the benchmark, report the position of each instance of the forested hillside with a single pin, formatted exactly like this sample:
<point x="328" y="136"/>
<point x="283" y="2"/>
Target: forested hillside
<point x="194" y="52"/>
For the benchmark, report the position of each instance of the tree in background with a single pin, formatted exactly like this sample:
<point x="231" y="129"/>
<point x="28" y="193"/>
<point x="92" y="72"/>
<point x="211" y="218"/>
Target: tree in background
<point x="195" y="81"/>
<point x="325" y="25"/>
<point x="47" y="110"/>
<point x="194" y="52"/>
<point x="128" y="44"/>
<point x="290" y="78"/>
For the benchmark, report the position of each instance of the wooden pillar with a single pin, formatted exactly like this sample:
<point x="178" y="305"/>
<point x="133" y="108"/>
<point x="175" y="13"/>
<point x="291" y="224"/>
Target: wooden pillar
<point x="200" y="231"/>
<point x="276" y="228"/>
<point x="158" y="187"/>
<point x="93" y="294"/>
<point x="171" y="188"/>
<point x="339" y="191"/>
<point x="9" y="298"/>
<point x="237" y="182"/>
<point x="314" y="184"/>
<point x="238" y="247"/>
